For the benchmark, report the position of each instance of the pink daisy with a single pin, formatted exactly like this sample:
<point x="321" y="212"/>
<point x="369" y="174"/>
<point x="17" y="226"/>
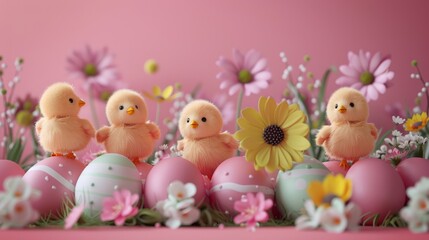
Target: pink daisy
<point x="96" y="68"/>
<point x="369" y="74"/>
<point x="248" y="72"/>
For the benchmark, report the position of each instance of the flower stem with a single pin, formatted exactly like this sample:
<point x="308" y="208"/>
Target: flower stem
<point x="93" y="109"/>
<point x="239" y="103"/>
<point x="158" y="111"/>
<point x="424" y="85"/>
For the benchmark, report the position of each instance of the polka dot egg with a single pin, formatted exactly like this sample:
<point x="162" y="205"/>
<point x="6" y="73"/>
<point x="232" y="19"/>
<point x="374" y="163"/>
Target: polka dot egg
<point x="235" y="177"/>
<point x="55" y="178"/>
<point x="291" y="188"/>
<point x="104" y="175"/>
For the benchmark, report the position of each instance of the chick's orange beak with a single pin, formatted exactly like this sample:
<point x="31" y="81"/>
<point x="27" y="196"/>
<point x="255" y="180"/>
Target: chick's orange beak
<point x="194" y="124"/>
<point x="81" y="103"/>
<point x="130" y="111"/>
<point x="342" y="109"/>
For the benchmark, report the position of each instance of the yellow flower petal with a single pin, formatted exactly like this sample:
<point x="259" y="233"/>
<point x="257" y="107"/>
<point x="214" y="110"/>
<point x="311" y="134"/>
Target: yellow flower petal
<point x="299" y="143"/>
<point x="273" y="164"/>
<point x="253" y="117"/>
<point x="249" y="128"/>
<point x="251" y="155"/>
<point x="252" y="143"/>
<point x="281" y="113"/>
<point x="261" y="105"/>
<point x="156" y="90"/>
<point x="293" y="118"/>
<point x="270" y="110"/>
<point x="263" y="156"/>
<point x="297" y="156"/>
<point x="315" y="192"/>
<point x="167" y="92"/>
<point x="300" y="129"/>
<point x="285" y="163"/>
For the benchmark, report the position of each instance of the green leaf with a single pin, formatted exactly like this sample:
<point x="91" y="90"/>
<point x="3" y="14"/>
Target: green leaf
<point x="15" y="152"/>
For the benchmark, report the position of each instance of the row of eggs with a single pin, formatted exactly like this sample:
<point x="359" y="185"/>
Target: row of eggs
<point x="377" y="187"/>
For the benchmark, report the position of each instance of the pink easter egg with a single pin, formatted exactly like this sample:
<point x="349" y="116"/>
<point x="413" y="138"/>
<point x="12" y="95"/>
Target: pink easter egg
<point x="169" y="170"/>
<point x="334" y="167"/>
<point x="143" y="169"/>
<point x="376" y="188"/>
<point x="233" y="179"/>
<point x="55" y="178"/>
<point x="412" y="170"/>
<point x="9" y="168"/>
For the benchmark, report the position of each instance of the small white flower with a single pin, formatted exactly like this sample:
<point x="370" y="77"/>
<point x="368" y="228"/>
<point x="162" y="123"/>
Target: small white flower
<point x="421" y="188"/>
<point x="334" y="219"/>
<point x="179" y="191"/>
<point x="302" y="68"/>
<point x="317" y="83"/>
<point x="19" y="214"/>
<point x="282" y="54"/>
<point x="396" y="133"/>
<point x="312" y="219"/>
<point x="416" y="222"/>
<point x="398" y="120"/>
<point x="353" y="215"/>
<point x="16" y="188"/>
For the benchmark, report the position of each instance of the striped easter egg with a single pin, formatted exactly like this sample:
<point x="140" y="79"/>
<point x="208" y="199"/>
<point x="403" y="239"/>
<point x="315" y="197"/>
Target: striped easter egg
<point x="55" y="178"/>
<point x="233" y="179"/>
<point x="291" y="188"/>
<point x="104" y="175"/>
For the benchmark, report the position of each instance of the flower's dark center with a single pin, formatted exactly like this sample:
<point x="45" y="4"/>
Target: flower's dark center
<point x="244" y="76"/>
<point x="417" y="125"/>
<point x="90" y="70"/>
<point x="273" y="135"/>
<point x="367" y="78"/>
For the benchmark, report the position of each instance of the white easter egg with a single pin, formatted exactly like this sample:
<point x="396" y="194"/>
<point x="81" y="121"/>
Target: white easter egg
<point x="104" y="175"/>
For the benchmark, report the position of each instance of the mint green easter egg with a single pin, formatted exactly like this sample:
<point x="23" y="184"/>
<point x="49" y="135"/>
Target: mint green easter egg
<point x="291" y="187"/>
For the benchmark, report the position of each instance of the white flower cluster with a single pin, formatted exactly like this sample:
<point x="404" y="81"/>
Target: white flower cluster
<point x="399" y="143"/>
<point x="336" y="218"/>
<point x="416" y="213"/>
<point x="162" y="153"/>
<point x="15" y="207"/>
<point x="178" y="209"/>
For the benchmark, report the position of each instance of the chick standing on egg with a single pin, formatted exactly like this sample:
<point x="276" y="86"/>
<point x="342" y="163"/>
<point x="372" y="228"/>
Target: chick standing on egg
<point x="60" y="130"/>
<point x="129" y="134"/>
<point x="203" y="142"/>
<point x="349" y="137"/>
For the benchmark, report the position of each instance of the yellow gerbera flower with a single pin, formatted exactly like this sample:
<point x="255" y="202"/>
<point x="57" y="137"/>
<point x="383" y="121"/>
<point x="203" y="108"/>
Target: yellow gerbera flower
<point x="332" y="187"/>
<point x="160" y="95"/>
<point x="417" y="122"/>
<point x="273" y="137"/>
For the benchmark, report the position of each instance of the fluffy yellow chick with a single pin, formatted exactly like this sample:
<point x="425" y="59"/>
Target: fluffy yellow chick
<point x="129" y="134"/>
<point x="60" y="130"/>
<point x="203" y="142"/>
<point x="349" y="137"/>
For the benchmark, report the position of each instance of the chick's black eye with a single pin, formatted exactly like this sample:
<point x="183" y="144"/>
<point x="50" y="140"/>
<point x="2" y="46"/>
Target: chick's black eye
<point x="336" y="106"/>
<point x="187" y="120"/>
<point x="121" y="107"/>
<point x="71" y="100"/>
<point x="137" y="107"/>
<point x="352" y="104"/>
<point x="204" y="119"/>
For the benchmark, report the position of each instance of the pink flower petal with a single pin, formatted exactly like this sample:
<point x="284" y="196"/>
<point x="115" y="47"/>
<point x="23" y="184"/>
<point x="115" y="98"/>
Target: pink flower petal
<point x="381" y="88"/>
<point x="250" y="89"/>
<point x="261" y="216"/>
<point x="225" y="84"/>
<point x="383" y="67"/>
<point x="363" y="90"/>
<point x="238" y="58"/>
<point x="356" y="85"/>
<point x="251" y="58"/>
<point x="260" y="84"/>
<point x="235" y="88"/>
<point x="73" y="216"/>
<point x="227" y="76"/>
<point x="372" y="93"/>
<point x="375" y="61"/>
<point x="343" y="80"/>
<point x="355" y="62"/>
<point x="364" y="60"/>
<point x="227" y="64"/>
<point x="259" y="66"/>
<point x="262" y="76"/>
<point x="349" y="71"/>
<point x="240" y="218"/>
<point x="241" y="206"/>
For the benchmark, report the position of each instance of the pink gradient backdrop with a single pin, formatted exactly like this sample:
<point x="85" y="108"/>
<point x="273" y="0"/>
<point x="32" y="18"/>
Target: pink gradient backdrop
<point x="187" y="37"/>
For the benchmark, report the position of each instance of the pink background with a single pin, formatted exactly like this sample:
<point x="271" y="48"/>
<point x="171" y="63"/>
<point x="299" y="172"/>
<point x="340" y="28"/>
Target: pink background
<point x="187" y="37"/>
